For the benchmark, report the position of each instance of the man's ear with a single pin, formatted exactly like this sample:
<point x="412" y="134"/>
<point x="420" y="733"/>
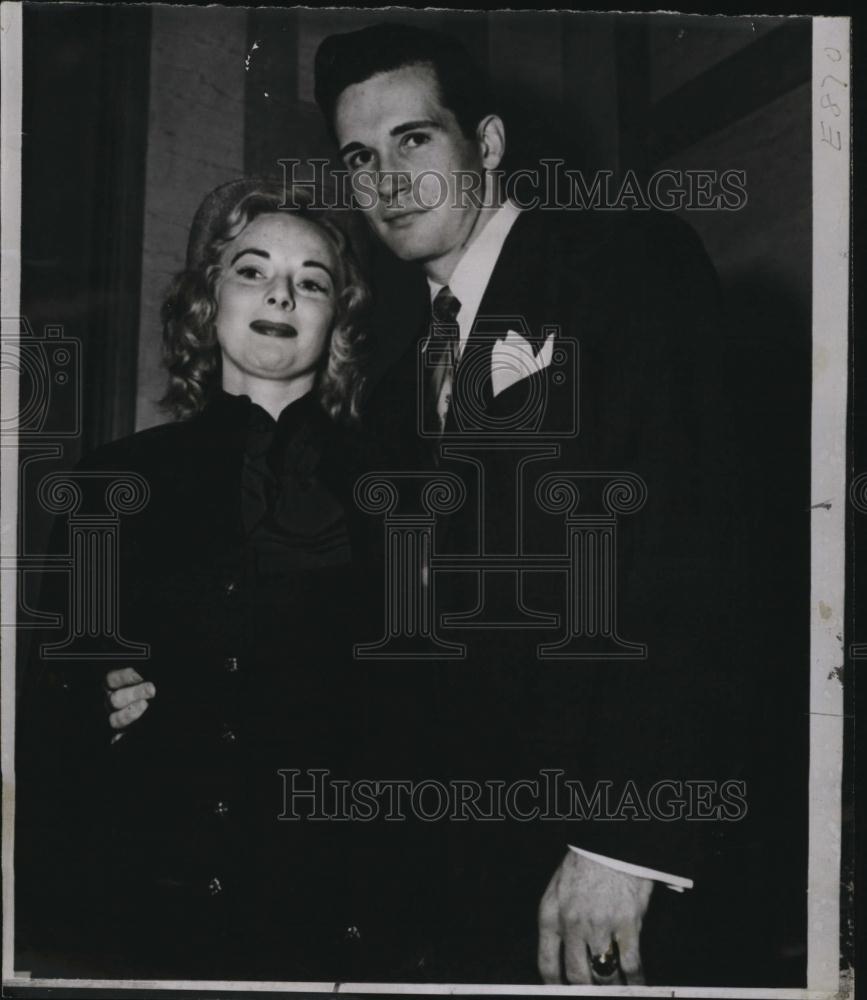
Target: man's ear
<point x="491" y="135"/>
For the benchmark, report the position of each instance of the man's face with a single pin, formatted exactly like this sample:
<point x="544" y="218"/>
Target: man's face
<point x="394" y="125"/>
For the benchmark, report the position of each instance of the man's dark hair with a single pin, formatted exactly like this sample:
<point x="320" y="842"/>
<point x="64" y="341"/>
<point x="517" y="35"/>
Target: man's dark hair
<point x="343" y="60"/>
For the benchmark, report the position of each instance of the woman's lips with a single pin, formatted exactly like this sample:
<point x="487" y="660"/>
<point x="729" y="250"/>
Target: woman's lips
<point x="270" y="329"/>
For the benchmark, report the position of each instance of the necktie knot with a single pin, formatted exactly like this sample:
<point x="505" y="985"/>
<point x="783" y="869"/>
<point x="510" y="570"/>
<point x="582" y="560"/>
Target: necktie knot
<point x="445" y="307"/>
<point x="444" y="335"/>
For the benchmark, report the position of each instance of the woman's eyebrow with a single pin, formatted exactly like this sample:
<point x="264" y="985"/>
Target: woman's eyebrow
<point x="316" y="263"/>
<point x="267" y="256"/>
<point x="253" y="250"/>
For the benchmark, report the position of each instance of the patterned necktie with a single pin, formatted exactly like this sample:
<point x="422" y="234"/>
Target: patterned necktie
<point x="444" y="337"/>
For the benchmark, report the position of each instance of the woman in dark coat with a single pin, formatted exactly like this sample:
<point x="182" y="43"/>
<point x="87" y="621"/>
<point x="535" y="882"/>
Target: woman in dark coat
<point x="240" y="574"/>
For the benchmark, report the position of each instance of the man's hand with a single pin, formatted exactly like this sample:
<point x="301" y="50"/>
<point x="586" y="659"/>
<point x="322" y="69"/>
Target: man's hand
<point x="585" y="907"/>
<point x="127" y="696"/>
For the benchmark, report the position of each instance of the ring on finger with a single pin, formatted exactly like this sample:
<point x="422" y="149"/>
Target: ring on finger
<point x="605" y="965"/>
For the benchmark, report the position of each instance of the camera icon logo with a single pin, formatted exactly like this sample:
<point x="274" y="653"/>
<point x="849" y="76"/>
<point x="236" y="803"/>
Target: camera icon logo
<point x="48" y="368"/>
<point x="507" y="384"/>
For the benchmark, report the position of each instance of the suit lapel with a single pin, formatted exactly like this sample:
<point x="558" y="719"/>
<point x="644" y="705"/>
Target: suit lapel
<point x="512" y="300"/>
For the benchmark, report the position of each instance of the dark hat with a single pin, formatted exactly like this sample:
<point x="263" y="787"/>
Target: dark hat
<point x="212" y="214"/>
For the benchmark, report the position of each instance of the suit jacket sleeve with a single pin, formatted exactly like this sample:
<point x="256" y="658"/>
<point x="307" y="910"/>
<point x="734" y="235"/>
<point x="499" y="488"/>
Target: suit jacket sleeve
<point x="668" y="731"/>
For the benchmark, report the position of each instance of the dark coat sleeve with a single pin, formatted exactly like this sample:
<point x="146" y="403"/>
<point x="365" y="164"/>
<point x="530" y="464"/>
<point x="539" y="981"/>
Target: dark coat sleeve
<point x="679" y="726"/>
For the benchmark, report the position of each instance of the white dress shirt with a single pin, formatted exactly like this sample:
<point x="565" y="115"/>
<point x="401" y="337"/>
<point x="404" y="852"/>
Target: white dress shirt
<point x="473" y="271"/>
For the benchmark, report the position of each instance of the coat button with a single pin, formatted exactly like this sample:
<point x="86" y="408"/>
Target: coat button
<point x="231" y="664"/>
<point x="215" y="887"/>
<point x="221" y="809"/>
<point x="352" y="933"/>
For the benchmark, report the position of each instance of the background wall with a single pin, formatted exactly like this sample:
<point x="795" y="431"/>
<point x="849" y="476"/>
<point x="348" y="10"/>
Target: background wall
<point x="195" y="140"/>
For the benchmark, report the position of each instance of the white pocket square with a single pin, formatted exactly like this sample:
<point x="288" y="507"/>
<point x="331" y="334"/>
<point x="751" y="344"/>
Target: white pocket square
<point x="513" y="359"/>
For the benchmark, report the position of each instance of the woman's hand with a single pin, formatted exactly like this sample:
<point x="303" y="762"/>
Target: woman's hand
<point x="127" y="695"/>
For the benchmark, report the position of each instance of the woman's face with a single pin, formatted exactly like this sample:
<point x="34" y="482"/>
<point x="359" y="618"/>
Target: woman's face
<point x="276" y="301"/>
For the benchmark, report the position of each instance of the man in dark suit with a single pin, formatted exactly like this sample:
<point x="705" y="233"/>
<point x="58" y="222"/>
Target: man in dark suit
<point x="487" y="342"/>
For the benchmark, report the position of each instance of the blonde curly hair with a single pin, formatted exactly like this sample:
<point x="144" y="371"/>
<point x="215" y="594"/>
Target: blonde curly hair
<point x="190" y="349"/>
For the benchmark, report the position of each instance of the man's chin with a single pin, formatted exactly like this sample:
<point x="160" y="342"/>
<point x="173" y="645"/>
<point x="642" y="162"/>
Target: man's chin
<point x="407" y="242"/>
<point x="409" y="251"/>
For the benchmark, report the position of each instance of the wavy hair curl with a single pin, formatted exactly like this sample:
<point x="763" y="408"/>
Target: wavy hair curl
<point x="190" y="349"/>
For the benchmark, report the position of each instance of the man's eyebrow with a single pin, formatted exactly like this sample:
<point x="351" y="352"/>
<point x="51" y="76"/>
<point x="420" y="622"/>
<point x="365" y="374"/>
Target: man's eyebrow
<point x="253" y="250"/>
<point x="412" y="126"/>
<point x="401" y="129"/>
<point x="350" y="147"/>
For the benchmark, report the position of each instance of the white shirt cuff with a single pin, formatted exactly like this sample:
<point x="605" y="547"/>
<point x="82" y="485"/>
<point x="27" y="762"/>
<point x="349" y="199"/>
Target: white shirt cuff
<point x="677" y="883"/>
